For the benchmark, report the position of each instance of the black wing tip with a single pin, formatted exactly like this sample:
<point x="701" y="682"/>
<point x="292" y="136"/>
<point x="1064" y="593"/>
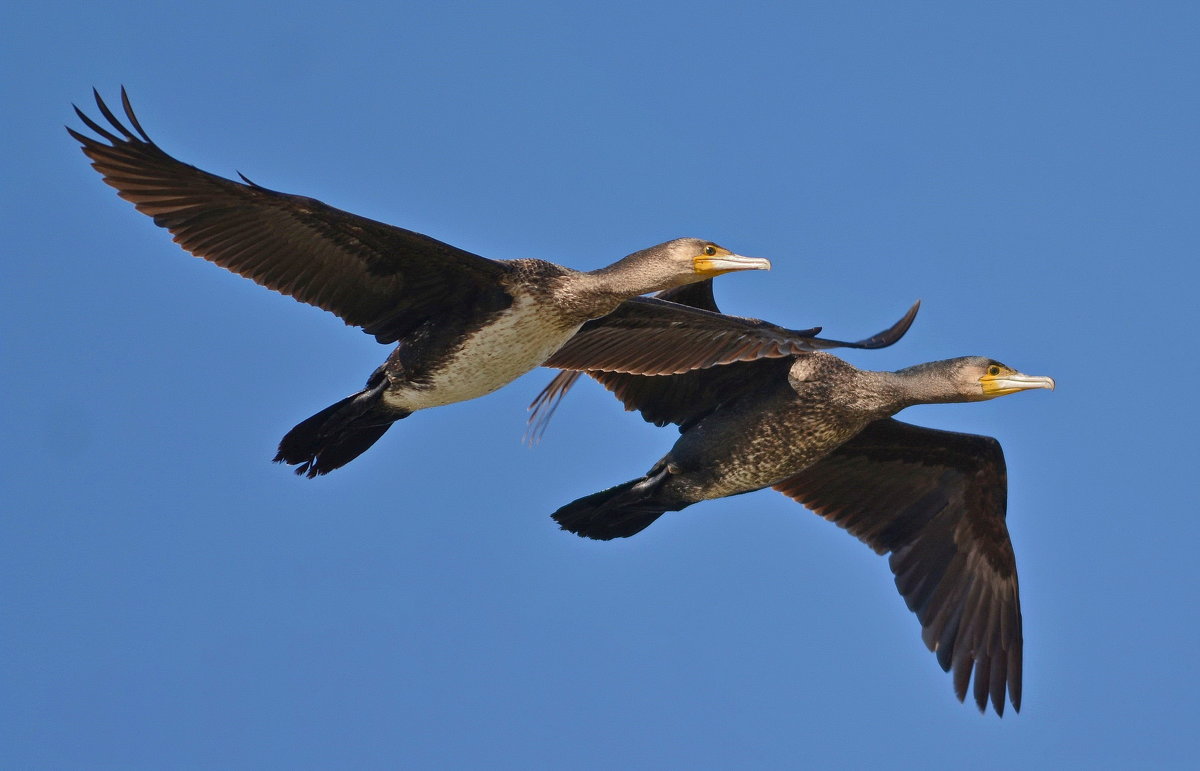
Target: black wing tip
<point x="114" y="122"/>
<point x="966" y="669"/>
<point x="80" y="138"/>
<point x="981" y="697"/>
<point x="892" y="334"/>
<point x="128" y="107"/>
<point x="887" y="337"/>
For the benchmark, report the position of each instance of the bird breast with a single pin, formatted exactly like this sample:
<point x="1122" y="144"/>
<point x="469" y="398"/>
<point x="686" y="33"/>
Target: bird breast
<point x="514" y="342"/>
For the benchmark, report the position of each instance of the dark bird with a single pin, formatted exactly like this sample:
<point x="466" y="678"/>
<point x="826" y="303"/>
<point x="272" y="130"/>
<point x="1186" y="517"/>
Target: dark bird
<point x="463" y="325"/>
<point x="820" y="431"/>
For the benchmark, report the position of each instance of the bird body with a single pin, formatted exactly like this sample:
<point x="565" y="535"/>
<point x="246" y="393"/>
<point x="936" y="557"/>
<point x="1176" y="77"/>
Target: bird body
<point x="770" y="434"/>
<point x="514" y="342"/>
<point x="481" y="353"/>
<point x="789" y="415"/>
<point x="445" y="365"/>
<point x="465" y="353"/>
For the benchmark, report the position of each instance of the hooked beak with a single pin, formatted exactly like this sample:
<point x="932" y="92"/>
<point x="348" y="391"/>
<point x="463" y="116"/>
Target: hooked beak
<point x="999" y="385"/>
<point x="714" y="265"/>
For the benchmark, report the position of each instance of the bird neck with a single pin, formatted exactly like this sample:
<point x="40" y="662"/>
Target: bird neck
<point x="629" y="278"/>
<point x="928" y="383"/>
<point x="879" y="394"/>
<point x="608" y="287"/>
<point x="861" y="392"/>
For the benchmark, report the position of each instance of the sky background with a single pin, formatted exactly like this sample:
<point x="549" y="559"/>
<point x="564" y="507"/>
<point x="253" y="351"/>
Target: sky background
<point x="173" y="599"/>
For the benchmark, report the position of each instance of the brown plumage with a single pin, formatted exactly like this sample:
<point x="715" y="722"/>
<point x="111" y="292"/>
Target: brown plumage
<point x="464" y="325"/>
<point x="936" y="501"/>
<point x="819" y="431"/>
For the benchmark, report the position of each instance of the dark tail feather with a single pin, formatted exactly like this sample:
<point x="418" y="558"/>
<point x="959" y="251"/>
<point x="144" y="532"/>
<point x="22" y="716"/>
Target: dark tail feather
<point x="617" y="512"/>
<point x="337" y="434"/>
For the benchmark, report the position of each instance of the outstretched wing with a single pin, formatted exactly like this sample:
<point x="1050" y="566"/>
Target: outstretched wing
<point x="382" y="278"/>
<point x="673" y="337"/>
<point x="731" y="354"/>
<point x="936" y="501"/>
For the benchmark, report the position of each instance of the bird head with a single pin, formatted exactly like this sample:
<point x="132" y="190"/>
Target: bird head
<point x="684" y="261"/>
<point x="980" y="378"/>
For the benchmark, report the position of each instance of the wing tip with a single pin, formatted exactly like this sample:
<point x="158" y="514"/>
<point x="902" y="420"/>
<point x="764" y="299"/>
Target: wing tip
<point x="114" y="122"/>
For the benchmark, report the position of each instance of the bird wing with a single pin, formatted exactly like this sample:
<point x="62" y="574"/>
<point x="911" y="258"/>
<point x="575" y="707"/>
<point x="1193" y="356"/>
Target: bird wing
<point x="936" y="500"/>
<point x="675" y="357"/>
<point x="681" y="399"/>
<point x="382" y="278"/>
<point x="664" y="336"/>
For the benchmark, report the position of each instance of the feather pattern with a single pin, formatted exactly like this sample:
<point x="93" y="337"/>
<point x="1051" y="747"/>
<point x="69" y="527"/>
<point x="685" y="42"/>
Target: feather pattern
<point x="380" y="277"/>
<point x="935" y="500"/>
<point x="714" y="354"/>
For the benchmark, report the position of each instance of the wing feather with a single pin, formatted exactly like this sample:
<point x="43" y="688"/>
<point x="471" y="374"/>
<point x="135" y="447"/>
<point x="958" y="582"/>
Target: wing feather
<point x="935" y="500"/>
<point x="382" y="278"/>
<point x="675" y="357"/>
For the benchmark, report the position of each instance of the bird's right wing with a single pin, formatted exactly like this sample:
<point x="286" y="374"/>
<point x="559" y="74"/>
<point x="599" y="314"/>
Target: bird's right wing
<point x="382" y="278"/>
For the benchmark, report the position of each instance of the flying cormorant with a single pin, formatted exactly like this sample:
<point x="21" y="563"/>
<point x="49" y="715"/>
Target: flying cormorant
<point x="464" y="325"/>
<point x="820" y="431"/>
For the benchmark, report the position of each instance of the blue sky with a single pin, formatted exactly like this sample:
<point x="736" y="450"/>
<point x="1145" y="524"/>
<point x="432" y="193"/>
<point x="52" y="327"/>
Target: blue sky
<point x="173" y="599"/>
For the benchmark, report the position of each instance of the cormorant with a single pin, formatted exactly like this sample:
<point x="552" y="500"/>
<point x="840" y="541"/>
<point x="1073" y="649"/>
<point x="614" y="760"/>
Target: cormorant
<point x="820" y="431"/>
<point x="464" y="325"/>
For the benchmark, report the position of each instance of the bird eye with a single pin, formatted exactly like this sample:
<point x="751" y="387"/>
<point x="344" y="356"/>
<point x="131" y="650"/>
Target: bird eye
<point x="993" y="370"/>
<point x="710" y="250"/>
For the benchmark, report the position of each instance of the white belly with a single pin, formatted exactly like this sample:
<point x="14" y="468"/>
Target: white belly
<point x="493" y="357"/>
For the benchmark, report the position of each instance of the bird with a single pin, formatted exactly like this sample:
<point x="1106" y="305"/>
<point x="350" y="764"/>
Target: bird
<point x="821" y="431"/>
<point x="462" y="325"/>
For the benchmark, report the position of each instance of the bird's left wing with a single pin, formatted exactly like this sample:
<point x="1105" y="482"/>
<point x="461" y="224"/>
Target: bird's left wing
<point x="936" y="501"/>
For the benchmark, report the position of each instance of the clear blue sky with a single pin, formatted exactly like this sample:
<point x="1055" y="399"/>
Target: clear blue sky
<point x="173" y="599"/>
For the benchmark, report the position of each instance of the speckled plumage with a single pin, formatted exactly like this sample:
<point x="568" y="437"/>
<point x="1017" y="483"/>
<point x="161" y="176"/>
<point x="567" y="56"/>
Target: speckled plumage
<point x="818" y="430"/>
<point x="756" y="441"/>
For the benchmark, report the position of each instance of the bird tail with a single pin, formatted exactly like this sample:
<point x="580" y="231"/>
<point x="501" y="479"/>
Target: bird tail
<point x="339" y="433"/>
<point x="618" y="512"/>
